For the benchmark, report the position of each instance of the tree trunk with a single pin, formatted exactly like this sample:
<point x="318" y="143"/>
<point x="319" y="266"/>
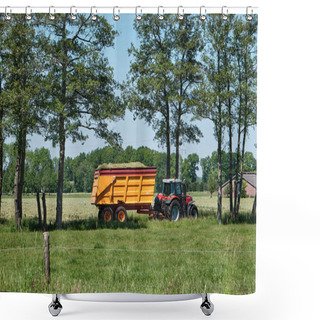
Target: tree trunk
<point x="22" y="165"/>
<point x="168" y="141"/>
<point x="239" y="120"/>
<point x="16" y="189"/>
<point x="219" y="213"/>
<point x="242" y="159"/>
<point x="236" y="185"/>
<point x="1" y="154"/>
<point x="60" y="173"/>
<point x="254" y="206"/>
<point x="230" y="152"/>
<point x="39" y="210"/>
<point x="177" y="148"/>
<point x="44" y="211"/>
<point x="219" y="138"/>
<point x="245" y="128"/>
<point x="62" y="136"/>
<point x="178" y="128"/>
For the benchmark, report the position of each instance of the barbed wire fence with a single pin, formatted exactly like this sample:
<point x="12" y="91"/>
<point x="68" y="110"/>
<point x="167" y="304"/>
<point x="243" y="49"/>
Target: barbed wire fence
<point x="46" y="251"/>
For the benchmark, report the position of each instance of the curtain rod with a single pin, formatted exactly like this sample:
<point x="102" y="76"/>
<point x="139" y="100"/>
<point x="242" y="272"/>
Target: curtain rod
<point x="127" y="10"/>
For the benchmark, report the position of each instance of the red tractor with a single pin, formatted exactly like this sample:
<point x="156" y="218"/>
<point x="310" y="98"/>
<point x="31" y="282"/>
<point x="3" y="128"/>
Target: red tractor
<point x="174" y="202"/>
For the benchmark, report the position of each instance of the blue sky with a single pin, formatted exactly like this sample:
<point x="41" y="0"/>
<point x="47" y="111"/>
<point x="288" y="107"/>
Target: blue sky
<point x="136" y="133"/>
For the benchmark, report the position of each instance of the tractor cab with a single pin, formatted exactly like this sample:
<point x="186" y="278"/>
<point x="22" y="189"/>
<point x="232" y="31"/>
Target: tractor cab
<point x="172" y="187"/>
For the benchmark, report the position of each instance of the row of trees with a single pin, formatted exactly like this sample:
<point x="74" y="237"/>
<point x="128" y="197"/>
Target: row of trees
<point x="55" y="80"/>
<point x="41" y="170"/>
<point x="191" y="69"/>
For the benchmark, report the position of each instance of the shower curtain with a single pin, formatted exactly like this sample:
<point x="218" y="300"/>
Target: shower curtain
<point x="128" y="153"/>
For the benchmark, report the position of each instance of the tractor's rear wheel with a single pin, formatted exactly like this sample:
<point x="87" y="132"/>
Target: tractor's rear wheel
<point x="106" y="214"/>
<point x="194" y="212"/>
<point x="175" y="210"/>
<point x="121" y="214"/>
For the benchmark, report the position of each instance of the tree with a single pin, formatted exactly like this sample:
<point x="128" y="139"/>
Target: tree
<point x="22" y="95"/>
<point x="40" y="175"/>
<point x="147" y="90"/>
<point x="84" y="173"/>
<point x="3" y="27"/>
<point x="212" y="183"/>
<point x="228" y="62"/>
<point x="81" y="88"/>
<point x="245" y="53"/>
<point x="186" y="73"/>
<point x="206" y="168"/>
<point x="213" y="92"/>
<point x="189" y="168"/>
<point x="163" y="71"/>
<point x="249" y="162"/>
<point x="9" y="159"/>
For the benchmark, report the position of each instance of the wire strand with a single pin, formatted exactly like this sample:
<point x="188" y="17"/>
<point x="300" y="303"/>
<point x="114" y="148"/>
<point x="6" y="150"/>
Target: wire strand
<point x="130" y="250"/>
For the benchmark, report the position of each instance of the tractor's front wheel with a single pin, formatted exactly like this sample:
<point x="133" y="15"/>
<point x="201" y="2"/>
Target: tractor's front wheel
<point x="175" y="210"/>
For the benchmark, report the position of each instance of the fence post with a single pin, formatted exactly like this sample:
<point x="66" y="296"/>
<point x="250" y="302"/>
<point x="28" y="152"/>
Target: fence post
<point x="46" y="256"/>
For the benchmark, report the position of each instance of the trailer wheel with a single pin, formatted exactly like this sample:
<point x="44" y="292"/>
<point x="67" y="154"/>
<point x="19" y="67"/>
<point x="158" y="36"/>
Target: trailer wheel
<point x="121" y="214"/>
<point x="175" y="210"/>
<point x="106" y="214"/>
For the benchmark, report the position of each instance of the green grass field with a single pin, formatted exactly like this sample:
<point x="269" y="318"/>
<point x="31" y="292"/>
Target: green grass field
<point x="142" y="256"/>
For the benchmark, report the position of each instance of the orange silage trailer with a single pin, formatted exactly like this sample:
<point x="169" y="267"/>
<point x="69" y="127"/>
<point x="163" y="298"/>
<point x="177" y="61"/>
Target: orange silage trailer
<point x="118" y="189"/>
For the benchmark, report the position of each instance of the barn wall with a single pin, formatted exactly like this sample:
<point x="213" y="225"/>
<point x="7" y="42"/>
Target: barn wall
<point x="251" y="191"/>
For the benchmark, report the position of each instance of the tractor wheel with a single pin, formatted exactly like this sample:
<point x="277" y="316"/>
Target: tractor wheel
<point x="194" y="212"/>
<point x="121" y="214"/>
<point x="106" y="214"/>
<point x="175" y="210"/>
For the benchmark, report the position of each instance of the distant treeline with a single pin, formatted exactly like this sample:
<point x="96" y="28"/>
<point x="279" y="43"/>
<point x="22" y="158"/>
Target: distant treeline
<point x="41" y="170"/>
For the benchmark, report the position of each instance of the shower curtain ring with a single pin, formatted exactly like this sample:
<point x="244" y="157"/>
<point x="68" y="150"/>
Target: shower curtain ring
<point x="73" y="13"/>
<point x="93" y="15"/>
<point x="203" y="13"/>
<point x="28" y="13"/>
<point x="7" y="13"/>
<point x="224" y="13"/>
<point x="52" y="11"/>
<point x="249" y="15"/>
<point x="160" y="16"/>
<point x="180" y="12"/>
<point x="116" y="17"/>
<point x="138" y="16"/>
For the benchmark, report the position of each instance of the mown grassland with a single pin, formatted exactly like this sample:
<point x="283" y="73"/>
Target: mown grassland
<point x="156" y="257"/>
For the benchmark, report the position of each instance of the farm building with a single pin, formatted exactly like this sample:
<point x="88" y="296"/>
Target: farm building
<point x="249" y="178"/>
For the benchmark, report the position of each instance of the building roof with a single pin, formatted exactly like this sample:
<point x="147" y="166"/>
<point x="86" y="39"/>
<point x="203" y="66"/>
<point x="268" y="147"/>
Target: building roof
<point x="249" y="177"/>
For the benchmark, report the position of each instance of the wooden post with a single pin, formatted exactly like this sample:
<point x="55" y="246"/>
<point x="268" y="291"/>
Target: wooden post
<point x="46" y="256"/>
<point x="39" y="211"/>
<point x="44" y="211"/>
